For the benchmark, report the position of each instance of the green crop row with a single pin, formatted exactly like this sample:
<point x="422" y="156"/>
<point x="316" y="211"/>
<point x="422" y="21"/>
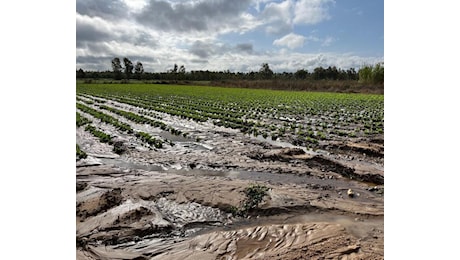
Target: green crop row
<point x="103" y="137"/>
<point x="81" y="121"/>
<point x="142" y="120"/>
<point x="149" y="139"/>
<point x="304" y="118"/>
<point x="81" y="154"/>
<point x="105" y="118"/>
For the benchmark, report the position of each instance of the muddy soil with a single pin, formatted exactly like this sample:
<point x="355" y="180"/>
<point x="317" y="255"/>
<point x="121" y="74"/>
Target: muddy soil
<point x="180" y="202"/>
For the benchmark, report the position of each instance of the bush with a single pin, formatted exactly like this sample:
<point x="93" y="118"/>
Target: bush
<point x="372" y="74"/>
<point x="254" y="196"/>
<point x="119" y="147"/>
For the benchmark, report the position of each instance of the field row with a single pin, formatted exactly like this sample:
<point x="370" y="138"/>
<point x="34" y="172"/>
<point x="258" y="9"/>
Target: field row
<point x="120" y="127"/>
<point x="301" y="118"/>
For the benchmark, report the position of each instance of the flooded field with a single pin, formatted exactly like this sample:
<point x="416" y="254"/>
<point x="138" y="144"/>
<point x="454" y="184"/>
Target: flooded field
<point x="185" y="200"/>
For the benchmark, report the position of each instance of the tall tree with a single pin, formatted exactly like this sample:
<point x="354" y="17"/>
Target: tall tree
<point x="174" y="70"/>
<point x="116" y="66"/>
<point x="128" y="67"/>
<point x="265" y="71"/>
<point x="80" y="74"/>
<point x="138" y="70"/>
<point x="301" y="74"/>
<point x="319" y="73"/>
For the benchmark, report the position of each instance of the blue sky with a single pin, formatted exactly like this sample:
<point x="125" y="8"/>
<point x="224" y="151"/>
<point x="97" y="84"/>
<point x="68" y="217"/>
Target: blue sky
<point x="237" y="35"/>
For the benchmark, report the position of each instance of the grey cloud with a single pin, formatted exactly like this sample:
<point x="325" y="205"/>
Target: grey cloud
<point x="104" y="62"/>
<point x="199" y="61"/>
<point x="196" y="16"/>
<point x="108" y="9"/>
<point x="142" y="59"/>
<point x="138" y="38"/>
<point x="88" y="36"/>
<point x="244" y="47"/>
<point x="95" y="47"/>
<point x="205" y="50"/>
<point x="88" y="33"/>
<point x="95" y="33"/>
<point x="144" y="39"/>
<point x="95" y="63"/>
<point x="110" y="56"/>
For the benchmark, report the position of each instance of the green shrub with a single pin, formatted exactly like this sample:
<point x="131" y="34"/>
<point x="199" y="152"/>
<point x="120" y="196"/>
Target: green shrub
<point x="254" y="196"/>
<point x="372" y="74"/>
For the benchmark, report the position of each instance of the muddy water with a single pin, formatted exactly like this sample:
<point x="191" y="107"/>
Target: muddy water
<point x="340" y="186"/>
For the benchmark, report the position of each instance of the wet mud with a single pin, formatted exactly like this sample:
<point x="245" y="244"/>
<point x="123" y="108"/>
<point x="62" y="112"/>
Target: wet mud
<point x="179" y="202"/>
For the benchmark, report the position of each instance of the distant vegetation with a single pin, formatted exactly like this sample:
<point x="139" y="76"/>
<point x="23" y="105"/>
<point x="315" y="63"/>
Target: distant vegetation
<point x="371" y="74"/>
<point x="322" y="79"/>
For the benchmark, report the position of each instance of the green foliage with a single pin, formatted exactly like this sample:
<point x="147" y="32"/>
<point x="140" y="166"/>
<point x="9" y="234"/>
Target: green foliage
<point x="81" y="121"/>
<point x="116" y="67"/>
<point x="254" y="196"/>
<point x="128" y="67"/>
<point x="265" y="71"/>
<point x="80" y="74"/>
<point x="80" y="154"/>
<point x="145" y="137"/>
<point x="105" y="118"/>
<point x="138" y="70"/>
<point x="103" y="137"/>
<point x="372" y="74"/>
<point x="179" y="73"/>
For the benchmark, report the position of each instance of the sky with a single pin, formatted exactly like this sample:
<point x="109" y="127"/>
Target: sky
<point x="237" y="35"/>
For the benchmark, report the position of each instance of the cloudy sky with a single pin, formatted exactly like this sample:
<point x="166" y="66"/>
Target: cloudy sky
<point x="236" y="35"/>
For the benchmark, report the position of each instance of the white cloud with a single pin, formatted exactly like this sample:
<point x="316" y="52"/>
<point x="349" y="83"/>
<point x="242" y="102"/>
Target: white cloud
<point x="107" y="9"/>
<point x="309" y="61"/>
<point x="280" y="17"/>
<point x="328" y="41"/>
<point x="277" y="17"/>
<point x="259" y="2"/>
<point x="311" y="11"/>
<point x="292" y="41"/>
<point x="135" y="5"/>
<point x="139" y="35"/>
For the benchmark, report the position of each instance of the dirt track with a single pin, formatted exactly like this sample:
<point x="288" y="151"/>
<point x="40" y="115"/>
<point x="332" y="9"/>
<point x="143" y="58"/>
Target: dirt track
<point x="176" y="202"/>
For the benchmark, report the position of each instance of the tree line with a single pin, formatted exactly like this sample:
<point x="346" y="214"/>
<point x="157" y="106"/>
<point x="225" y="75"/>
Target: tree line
<point x="367" y="74"/>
